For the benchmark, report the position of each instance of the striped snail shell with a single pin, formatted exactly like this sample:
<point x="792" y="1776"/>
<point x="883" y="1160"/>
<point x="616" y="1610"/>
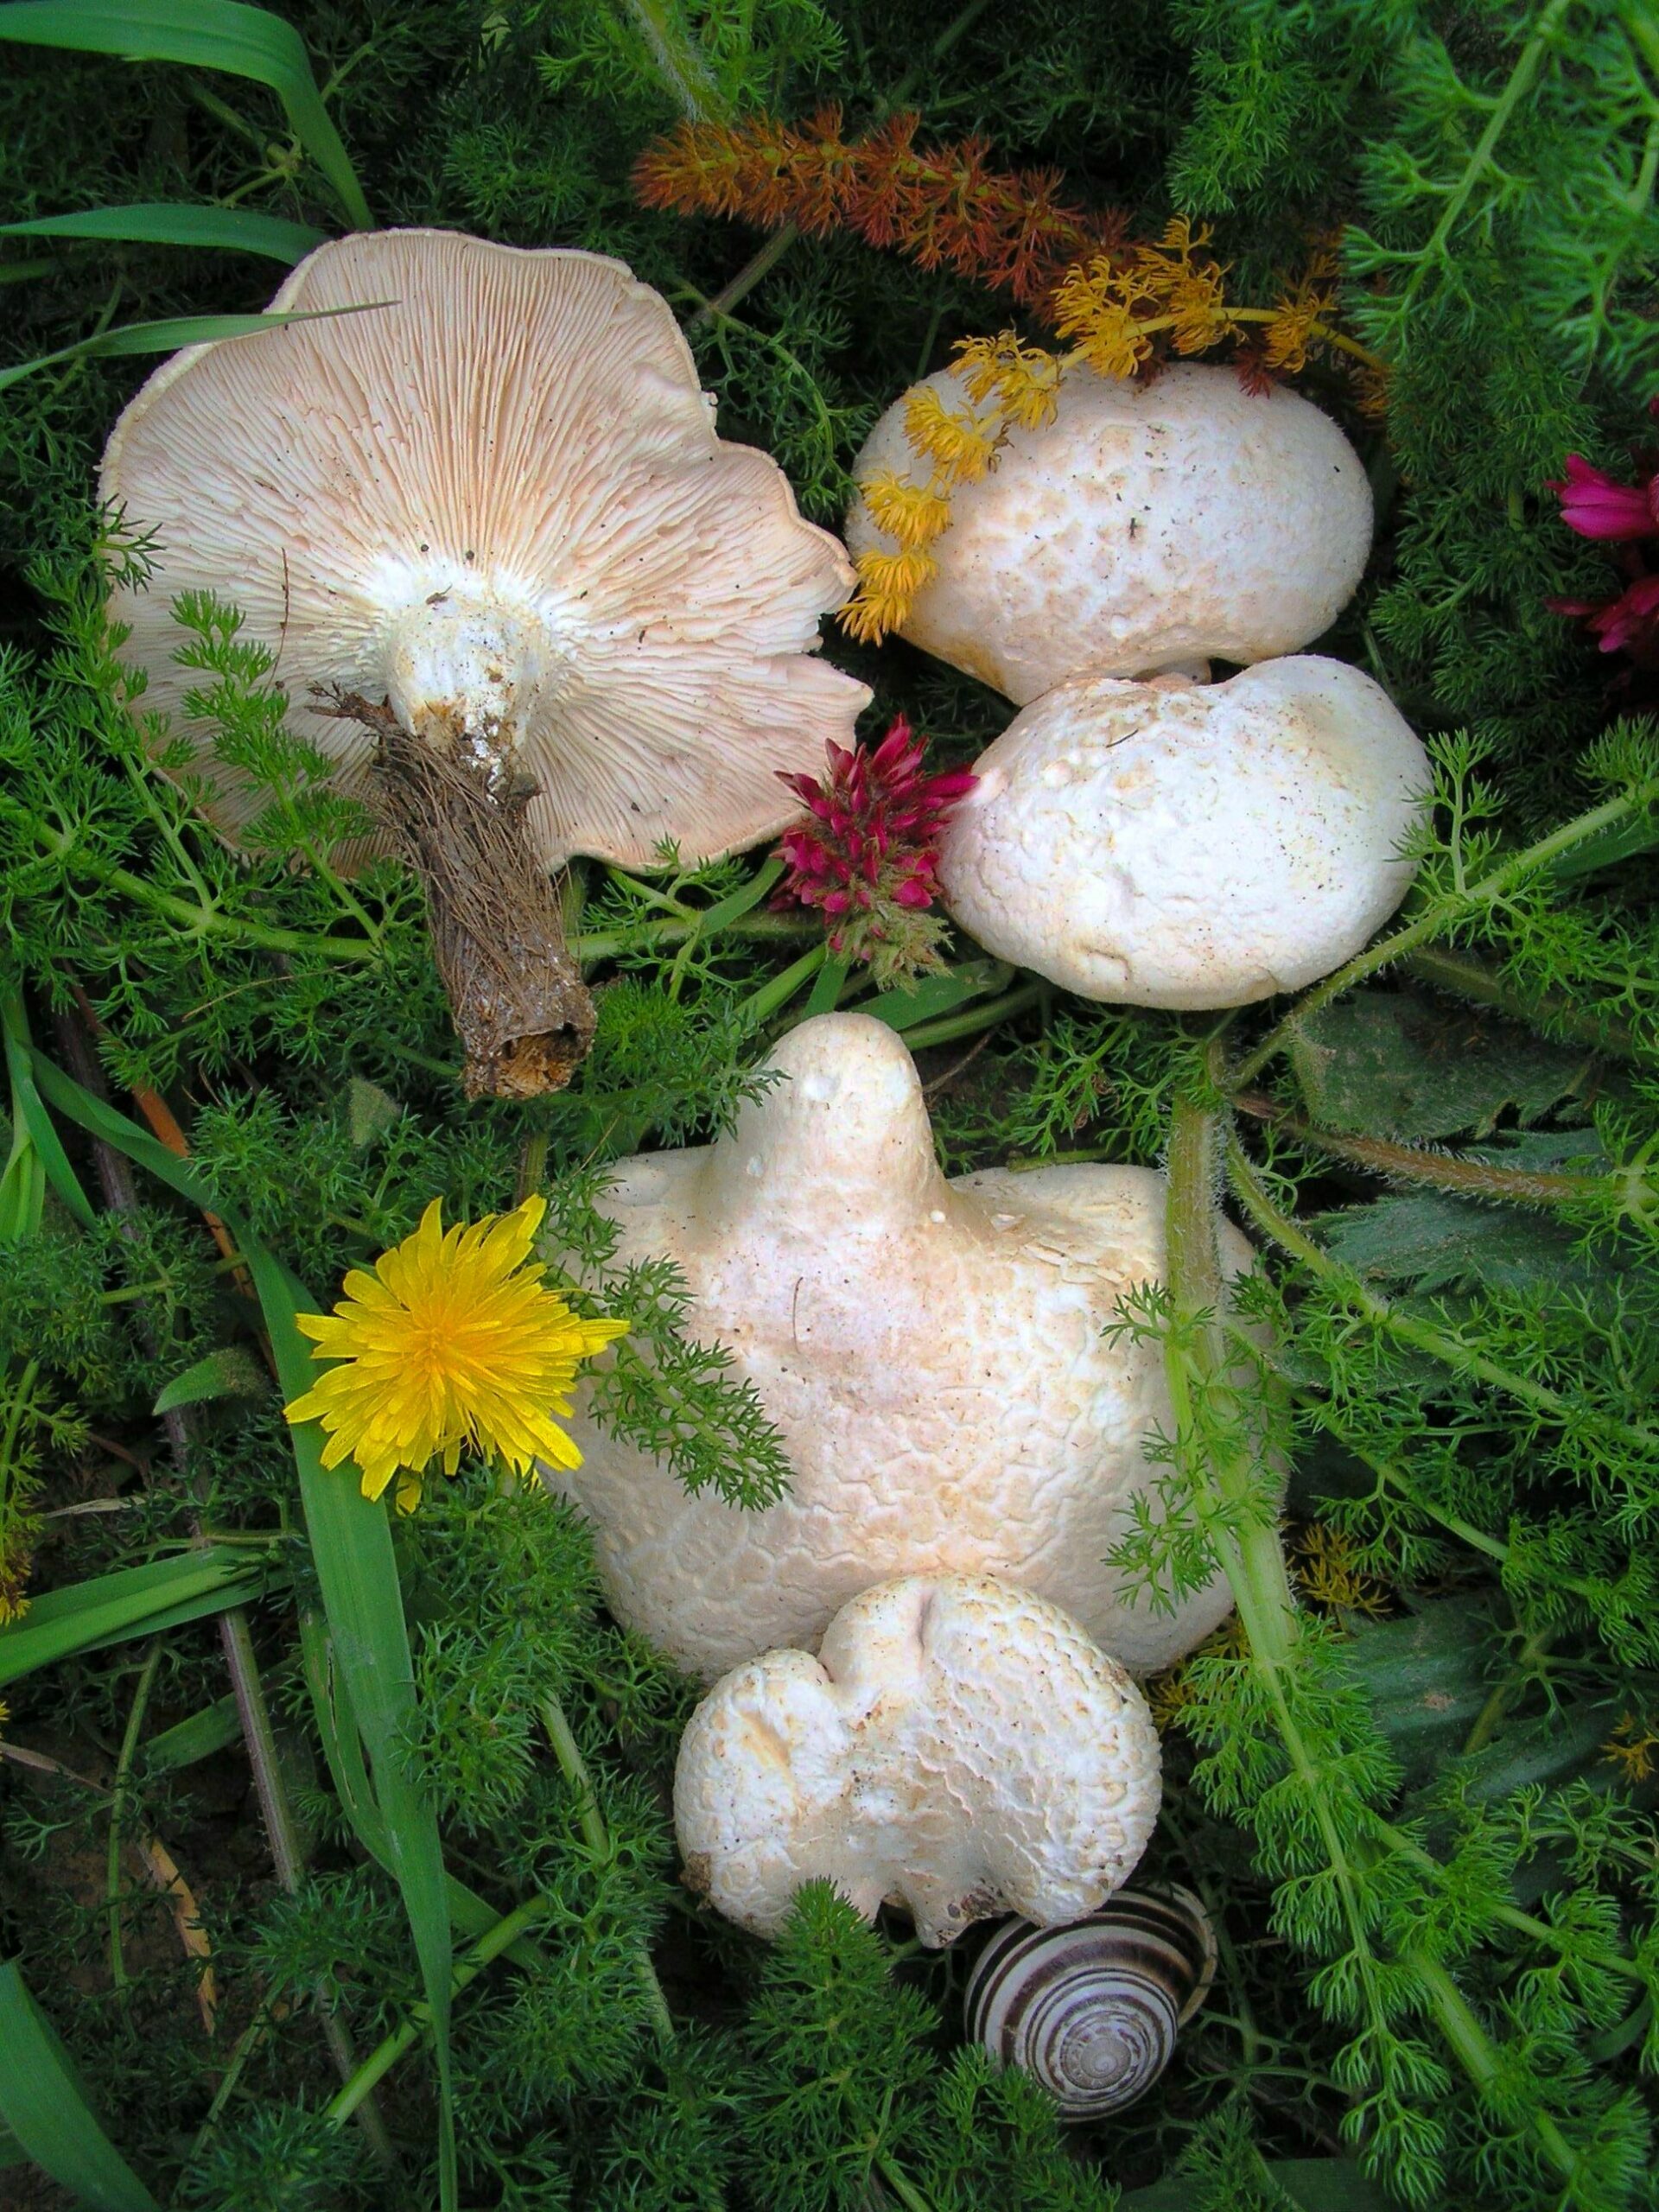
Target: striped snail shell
<point x="1092" y="2011"/>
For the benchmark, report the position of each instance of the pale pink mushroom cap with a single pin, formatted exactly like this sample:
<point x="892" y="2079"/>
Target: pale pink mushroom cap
<point x="958" y="1746"/>
<point x="500" y="502"/>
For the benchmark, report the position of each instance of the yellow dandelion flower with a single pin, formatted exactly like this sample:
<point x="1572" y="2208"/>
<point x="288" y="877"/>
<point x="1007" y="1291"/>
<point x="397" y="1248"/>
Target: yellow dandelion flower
<point x="453" y="1341"/>
<point x="961" y="449"/>
<point x="915" y="514"/>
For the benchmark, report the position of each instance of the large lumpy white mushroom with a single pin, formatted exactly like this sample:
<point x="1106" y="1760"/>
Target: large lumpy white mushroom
<point x="1178" y="844"/>
<point x="958" y="1747"/>
<point x="491" y="518"/>
<point x="935" y="1355"/>
<point x="1150" y="525"/>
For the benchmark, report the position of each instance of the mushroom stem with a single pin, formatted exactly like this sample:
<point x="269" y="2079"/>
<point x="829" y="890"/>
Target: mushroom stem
<point x="516" y="996"/>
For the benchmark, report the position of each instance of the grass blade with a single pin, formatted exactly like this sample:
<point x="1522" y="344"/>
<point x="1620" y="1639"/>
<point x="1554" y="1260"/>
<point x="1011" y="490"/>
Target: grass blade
<point x="32" y="1126"/>
<point x="136" y="1601"/>
<point x="215" y="1728"/>
<point x="204" y="34"/>
<point x="350" y="1547"/>
<point x="168" y="334"/>
<point x="351" y="1550"/>
<point x="47" y="2110"/>
<point x="163" y="222"/>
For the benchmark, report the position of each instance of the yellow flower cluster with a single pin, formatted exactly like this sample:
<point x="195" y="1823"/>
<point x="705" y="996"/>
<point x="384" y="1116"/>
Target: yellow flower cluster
<point x="1119" y="309"/>
<point x="1114" y="306"/>
<point x="1631" y="1749"/>
<point x="1322" y="1561"/>
<point x="1011" y="384"/>
<point x="452" y="1341"/>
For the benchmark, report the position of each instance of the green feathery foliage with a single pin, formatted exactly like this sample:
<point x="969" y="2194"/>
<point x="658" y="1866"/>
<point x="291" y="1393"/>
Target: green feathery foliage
<point x="1415" y="1781"/>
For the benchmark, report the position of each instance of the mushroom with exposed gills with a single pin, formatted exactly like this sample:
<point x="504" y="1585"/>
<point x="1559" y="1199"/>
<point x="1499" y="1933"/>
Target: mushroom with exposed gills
<point x="958" y="1747"/>
<point x="515" y="586"/>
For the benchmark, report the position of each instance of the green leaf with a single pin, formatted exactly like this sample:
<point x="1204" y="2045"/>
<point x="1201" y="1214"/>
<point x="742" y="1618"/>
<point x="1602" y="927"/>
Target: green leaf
<point x="136" y="1601"/>
<point x="1435" y="1241"/>
<point x="342" y="1749"/>
<point x="206" y="34"/>
<point x="825" y="995"/>
<point x="936" y="994"/>
<point x="171" y="333"/>
<point x="163" y="222"/>
<point x="229" y="1372"/>
<point x="215" y="1728"/>
<point x="46" y="2107"/>
<point x="1400" y="1064"/>
<point x="32" y="1126"/>
<point x="351" y="1548"/>
<point x="1429" y="1675"/>
<point x="1312" y="2185"/>
<point x="370" y="1112"/>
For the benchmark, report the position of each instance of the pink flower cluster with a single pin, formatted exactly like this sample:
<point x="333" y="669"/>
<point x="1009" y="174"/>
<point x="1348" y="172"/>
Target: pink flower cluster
<point x="867" y="853"/>
<point x="1597" y="506"/>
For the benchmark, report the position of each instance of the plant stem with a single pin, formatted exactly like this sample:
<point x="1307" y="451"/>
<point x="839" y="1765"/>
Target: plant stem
<point x="774" y="996"/>
<point x="1227" y="1493"/>
<point x="1466" y="978"/>
<point x="574" y="1768"/>
<point x="682" y="68"/>
<point x="117" y="1804"/>
<point x="648" y="937"/>
<point x="287" y="1854"/>
<point x="1405" y="1163"/>
<point x="1423" y="1336"/>
<point x="1520" y="84"/>
<point x="1443" y="914"/>
<point x="759" y="266"/>
<point x="384" y="2056"/>
<point x="950" y="1027"/>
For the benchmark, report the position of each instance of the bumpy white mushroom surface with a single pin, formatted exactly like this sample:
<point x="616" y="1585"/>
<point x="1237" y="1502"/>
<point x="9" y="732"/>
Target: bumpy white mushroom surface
<point x="932" y="1353"/>
<point x="1149" y="526"/>
<point x="958" y="1746"/>
<point x="495" y="500"/>
<point x="1190" y="845"/>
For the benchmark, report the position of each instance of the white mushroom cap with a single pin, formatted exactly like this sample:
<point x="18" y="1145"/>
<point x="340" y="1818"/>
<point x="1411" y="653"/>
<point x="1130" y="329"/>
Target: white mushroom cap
<point x="500" y="502"/>
<point x="1148" y="526"/>
<point x="958" y="1747"/>
<point x="936" y="1355"/>
<point x="1190" y="845"/>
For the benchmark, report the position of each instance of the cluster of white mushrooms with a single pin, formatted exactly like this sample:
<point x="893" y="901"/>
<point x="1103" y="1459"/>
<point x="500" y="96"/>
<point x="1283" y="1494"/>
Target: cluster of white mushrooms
<point x="534" y="606"/>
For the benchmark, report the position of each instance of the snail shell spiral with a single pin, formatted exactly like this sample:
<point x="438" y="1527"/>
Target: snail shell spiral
<point x="1092" y="2011"/>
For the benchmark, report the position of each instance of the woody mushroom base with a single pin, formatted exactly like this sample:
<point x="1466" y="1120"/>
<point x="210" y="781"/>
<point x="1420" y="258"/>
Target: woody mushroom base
<point x="519" y="592"/>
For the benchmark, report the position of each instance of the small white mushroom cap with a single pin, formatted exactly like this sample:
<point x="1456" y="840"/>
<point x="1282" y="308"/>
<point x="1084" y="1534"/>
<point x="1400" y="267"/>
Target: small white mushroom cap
<point x="958" y="1747"/>
<point x="496" y="500"/>
<point x="937" y="1356"/>
<point x="1178" y="844"/>
<point x="1148" y="526"/>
